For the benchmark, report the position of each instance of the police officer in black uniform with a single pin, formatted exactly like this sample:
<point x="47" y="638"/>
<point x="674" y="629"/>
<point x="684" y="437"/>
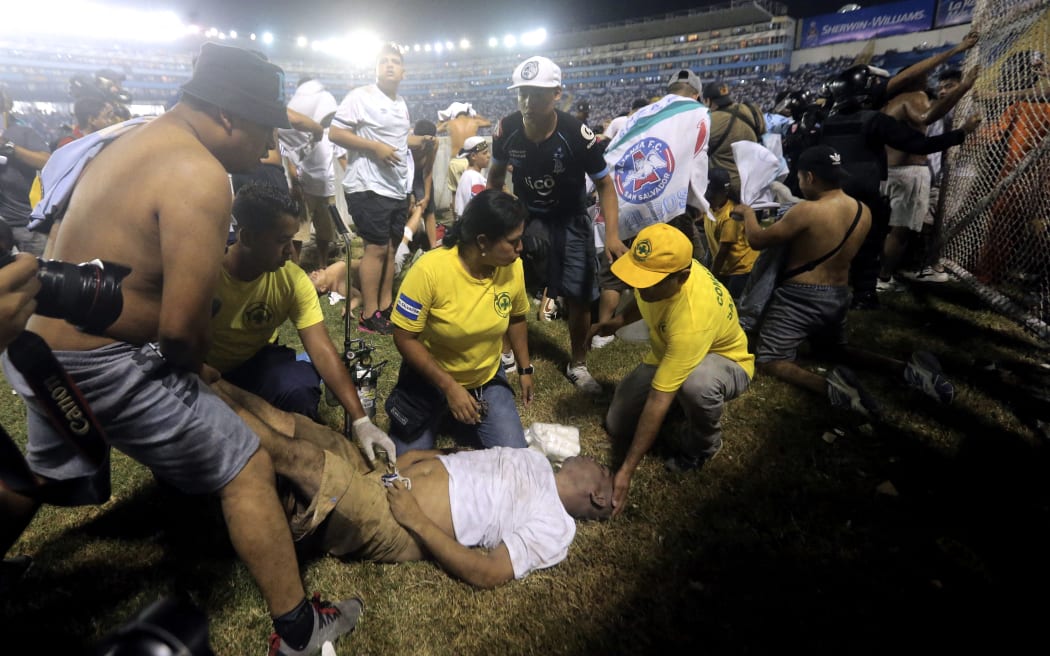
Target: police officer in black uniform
<point x="860" y="133"/>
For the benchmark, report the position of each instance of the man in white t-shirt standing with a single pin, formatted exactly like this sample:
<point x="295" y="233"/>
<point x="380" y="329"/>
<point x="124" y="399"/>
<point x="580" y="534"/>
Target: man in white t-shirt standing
<point x="472" y="182"/>
<point x="372" y="124"/>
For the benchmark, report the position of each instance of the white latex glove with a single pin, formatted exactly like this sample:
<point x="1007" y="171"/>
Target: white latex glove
<point x="369" y="436"/>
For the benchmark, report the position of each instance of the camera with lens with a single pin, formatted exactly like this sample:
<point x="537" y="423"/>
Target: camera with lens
<point x="88" y="295"/>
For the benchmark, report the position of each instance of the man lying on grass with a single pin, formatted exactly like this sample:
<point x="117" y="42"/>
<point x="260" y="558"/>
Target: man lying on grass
<point x="507" y="501"/>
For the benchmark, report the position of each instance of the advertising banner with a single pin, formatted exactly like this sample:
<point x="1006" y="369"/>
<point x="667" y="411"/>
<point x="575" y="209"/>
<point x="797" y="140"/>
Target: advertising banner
<point x="878" y="21"/>
<point x="954" y="12"/>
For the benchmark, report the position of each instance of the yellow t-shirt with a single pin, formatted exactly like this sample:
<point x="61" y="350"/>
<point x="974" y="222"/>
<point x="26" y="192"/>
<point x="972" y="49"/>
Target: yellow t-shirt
<point x="698" y="320"/>
<point x="461" y="319"/>
<point x="725" y="230"/>
<point x="251" y="312"/>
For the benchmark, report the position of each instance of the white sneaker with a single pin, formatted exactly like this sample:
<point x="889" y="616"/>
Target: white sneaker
<point x="510" y="365"/>
<point x="598" y="341"/>
<point x="548" y="310"/>
<point x="582" y="379"/>
<point x="927" y="274"/>
<point x="891" y="285"/>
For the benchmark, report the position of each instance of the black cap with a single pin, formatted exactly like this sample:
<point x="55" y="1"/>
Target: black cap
<point x="718" y="179"/>
<point x="716" y="89"/>
<point x="241" y="82"/>
<point x="824" y="162"/>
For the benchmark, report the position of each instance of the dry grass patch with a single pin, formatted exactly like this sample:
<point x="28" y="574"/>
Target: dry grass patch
<point x="781" y="543"/>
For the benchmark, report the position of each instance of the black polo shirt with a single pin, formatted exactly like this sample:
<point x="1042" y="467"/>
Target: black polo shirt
<point x="548" y="176"/>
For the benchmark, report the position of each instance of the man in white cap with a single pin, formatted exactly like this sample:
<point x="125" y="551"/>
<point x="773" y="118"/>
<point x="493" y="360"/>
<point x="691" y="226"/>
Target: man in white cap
<point x="550" y="152"/>
<point x="476" y="151"/>
<point x="698" y="354"/>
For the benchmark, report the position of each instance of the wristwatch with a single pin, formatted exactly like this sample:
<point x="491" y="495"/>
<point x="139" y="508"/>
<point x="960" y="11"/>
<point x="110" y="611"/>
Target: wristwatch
<point x="526" y="371"/>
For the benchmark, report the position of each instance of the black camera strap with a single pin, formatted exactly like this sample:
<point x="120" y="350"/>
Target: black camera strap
<point x="69" y="413"/>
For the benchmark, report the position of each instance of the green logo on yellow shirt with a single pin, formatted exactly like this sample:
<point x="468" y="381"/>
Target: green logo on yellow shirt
<point x="502" y="304"/>
<point x="258" y="315"/>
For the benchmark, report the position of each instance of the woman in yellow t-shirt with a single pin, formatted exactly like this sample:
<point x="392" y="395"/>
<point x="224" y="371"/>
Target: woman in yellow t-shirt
<point x="453" y="308"/>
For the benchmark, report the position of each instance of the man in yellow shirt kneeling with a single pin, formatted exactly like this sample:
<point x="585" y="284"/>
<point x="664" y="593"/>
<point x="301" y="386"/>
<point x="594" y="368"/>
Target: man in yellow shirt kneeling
<point x="698" y="353"/>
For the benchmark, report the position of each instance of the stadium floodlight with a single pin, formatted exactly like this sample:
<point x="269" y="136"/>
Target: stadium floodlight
<point x="417" y="47"/>
<point x="222" y="36"/>
<point x="361" y="47"/>
<point x="438" y="47"/>
<point x="493" y="42"/>
<point x="534" y="38"/>
<point x="233" y="34"/>
<point x="252" y="36"/>
<point x="211" y="33"/>
<point x="302" y="41"/>
<point x="267" y="38"/>
<point x="426" y="47"/>
<point x="510" y="41"/>
<point x="464" y="44"/>
<point x="449" y="45"/>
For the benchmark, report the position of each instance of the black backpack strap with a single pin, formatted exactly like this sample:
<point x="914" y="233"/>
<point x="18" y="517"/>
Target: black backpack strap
<point x="813" y="264"/>
<point x="717" y="143"/>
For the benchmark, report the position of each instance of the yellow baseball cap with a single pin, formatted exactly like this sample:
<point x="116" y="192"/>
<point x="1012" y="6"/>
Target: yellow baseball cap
<point x="658" y="250"/>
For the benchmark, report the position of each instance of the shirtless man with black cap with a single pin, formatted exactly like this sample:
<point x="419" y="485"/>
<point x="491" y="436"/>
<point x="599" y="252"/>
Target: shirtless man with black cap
<point x="167" y="218"/>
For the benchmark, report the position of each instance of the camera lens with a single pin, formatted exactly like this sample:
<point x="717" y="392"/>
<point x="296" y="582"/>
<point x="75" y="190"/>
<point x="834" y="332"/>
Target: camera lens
<point x="86" y="295"/>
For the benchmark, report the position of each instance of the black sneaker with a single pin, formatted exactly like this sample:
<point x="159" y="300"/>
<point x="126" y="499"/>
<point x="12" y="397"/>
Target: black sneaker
<point x="924" y="373"/>
<point x="375" y="324"/>
<point x="386" y="313"/>
<point x="845" y="391"/>
<point x="681" y="463"/>
<point x="12" y="571"/>
<point x="865" y="301"/>
<point x="330" y="622"/>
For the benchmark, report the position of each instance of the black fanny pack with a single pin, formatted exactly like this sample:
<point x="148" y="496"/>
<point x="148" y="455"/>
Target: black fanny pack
<point x="414" y="404"/>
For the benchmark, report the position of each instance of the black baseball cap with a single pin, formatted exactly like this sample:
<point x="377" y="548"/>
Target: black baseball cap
<point x="716" y="89"/>
<point x="824" y="162"/>
<point x="242" y="82"/>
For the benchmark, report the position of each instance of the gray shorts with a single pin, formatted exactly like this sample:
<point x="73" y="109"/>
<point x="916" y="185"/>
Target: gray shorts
<point x="799" y="312"/>
<point x="170" y="421"/>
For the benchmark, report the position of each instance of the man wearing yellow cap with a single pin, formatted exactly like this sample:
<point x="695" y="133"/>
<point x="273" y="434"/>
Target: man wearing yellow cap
<point x="698" y="353"/>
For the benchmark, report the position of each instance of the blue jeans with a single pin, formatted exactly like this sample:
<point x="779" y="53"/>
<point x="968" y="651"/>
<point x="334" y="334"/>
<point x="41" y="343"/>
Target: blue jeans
<point x="501" y="425"/>
<point x="277" y="376"/>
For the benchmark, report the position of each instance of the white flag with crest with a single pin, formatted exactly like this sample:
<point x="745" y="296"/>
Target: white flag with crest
<point x="658" y="162"/>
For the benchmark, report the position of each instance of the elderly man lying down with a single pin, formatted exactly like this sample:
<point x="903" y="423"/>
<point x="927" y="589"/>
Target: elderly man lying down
<point x="507" y="501"/>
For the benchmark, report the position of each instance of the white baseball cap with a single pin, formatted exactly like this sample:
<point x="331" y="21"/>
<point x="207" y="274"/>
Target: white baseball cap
<point x="473" y="145"/>
<point x="537" y="72"/>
